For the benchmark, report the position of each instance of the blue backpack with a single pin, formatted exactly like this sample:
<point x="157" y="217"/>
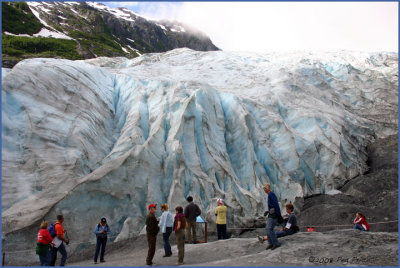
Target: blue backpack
<point x="52" y="230"/>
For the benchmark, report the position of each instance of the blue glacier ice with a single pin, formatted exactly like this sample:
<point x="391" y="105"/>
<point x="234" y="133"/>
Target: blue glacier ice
<point x="108" y="136"/>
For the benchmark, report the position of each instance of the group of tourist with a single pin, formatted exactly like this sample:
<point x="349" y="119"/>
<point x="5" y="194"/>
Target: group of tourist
<point x="51" y="238"/>
<point x="274" y="218"/>
<point x="185" y="219"/>
<point x="50" y="241"/>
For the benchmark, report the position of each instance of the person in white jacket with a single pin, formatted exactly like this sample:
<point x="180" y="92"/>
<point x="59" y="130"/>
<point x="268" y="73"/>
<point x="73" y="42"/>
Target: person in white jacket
<point x="166" y="224"/>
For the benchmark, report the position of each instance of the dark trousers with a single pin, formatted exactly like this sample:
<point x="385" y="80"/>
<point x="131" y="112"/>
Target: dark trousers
<point x="46" y="259"/>
<point x="101" y="242"/>
<point x="167" y="246"/>
<point x="191" y="225"/>
<point x="284" y="233"/>
<point x="359" y="227"/>
<point x="221" y="230"/>
<point x="272" y="239"/>
<point x="63" y="253"/>
<point x="151" y="240"/>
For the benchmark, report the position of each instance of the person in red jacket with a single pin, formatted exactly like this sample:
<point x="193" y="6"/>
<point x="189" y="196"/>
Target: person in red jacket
<point x="360" y="222"/>
<point x="43" y="246"/>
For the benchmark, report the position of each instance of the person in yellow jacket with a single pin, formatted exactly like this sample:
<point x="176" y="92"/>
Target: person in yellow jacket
<point x="220" y="212"/>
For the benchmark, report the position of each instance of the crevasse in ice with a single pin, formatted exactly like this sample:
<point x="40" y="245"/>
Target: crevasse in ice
<point x="108" y="136"/>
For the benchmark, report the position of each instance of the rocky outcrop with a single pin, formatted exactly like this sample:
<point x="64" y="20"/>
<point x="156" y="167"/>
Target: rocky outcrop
<point x="375" y="194"/>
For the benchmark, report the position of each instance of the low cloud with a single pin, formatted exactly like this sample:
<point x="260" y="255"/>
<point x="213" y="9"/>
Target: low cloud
<point x="274" y="26"/>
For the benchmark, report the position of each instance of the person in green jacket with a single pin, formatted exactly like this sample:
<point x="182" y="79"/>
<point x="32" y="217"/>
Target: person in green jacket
<point x="220" y="212"/>
<point x="152" y="230"/>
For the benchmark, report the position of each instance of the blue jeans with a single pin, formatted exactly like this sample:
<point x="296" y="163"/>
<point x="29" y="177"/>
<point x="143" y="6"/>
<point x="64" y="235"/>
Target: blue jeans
<point x="101" y="242"/>
<point x="63" y="253"/>
<point x="221" y="230"/>
<point x="45" y="260"/>
<point x="165" y="236"/>
<point x="359" y="227"/>
<point x="269" y="228"/>
<point x="284" y="233"/>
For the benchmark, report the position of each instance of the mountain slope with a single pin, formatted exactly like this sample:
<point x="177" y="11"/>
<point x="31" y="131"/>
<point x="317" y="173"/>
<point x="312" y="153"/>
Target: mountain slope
<point x="96" y="30"/>
<point x="17" y="18"/>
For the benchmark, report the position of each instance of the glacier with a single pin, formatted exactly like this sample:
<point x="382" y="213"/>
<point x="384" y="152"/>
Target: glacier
<point x="105" y="137"/>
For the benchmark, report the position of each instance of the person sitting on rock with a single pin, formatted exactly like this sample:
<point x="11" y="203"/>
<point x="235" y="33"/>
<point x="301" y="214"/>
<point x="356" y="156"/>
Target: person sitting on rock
<point x="290" y="227"/>
<point x="360" y="222"/>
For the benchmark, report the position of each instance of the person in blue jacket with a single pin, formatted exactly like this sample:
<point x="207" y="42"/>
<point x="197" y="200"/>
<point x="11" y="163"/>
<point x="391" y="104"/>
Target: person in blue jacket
<point x="290" y="228"/>
<point x="274" y="212"/>
<point x="101" y="230"/>
<point x="166" y="225"/>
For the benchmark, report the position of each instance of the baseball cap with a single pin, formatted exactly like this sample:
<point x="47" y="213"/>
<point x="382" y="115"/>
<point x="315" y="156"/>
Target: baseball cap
<point x="152" y="206"/>
<point x="103" y="220"/>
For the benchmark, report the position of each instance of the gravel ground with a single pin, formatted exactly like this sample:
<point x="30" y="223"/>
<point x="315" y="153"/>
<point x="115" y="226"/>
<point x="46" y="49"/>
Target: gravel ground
<point x="332" y="248"/>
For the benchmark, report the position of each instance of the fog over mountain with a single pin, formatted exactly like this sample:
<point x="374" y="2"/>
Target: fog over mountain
<point x="85" y="30"/>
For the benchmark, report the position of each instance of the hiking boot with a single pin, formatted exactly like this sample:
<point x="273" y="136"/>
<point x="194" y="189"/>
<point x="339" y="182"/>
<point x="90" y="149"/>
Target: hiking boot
<point x="179" y="263"/>
<point x="275" y="246"/>
<point x="260" y="239"/>
<point x="269" y="247"/>
<point x="102" y="260"/>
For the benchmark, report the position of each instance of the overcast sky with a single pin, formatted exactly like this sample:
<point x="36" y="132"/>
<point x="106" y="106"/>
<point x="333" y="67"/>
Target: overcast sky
<point x="282" y="26"/>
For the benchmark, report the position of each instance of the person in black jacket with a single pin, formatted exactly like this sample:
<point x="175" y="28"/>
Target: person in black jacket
<point x="191" y="212"/>
<point x="152" y="230"/>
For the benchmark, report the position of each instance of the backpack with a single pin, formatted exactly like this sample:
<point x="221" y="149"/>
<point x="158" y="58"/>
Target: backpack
<point x="52" y="230"/>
